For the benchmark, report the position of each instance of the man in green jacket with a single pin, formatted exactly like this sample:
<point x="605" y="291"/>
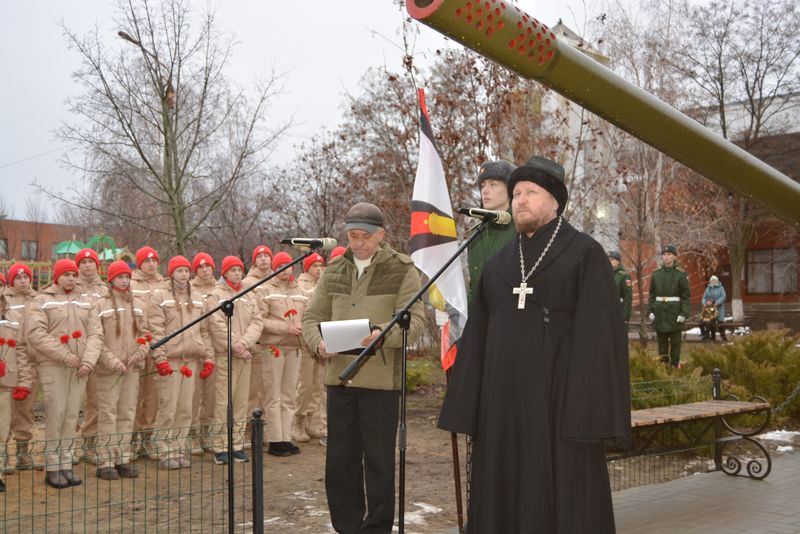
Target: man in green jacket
<point x="370" y="281"/>
<point x="493" y="184"/>
<point x="622" y="281"/>
<point x="670" y="305"/>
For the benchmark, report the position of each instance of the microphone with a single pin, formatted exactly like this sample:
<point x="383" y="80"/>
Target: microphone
<point x="326" y="243"/>
<point x="496" y="216"/>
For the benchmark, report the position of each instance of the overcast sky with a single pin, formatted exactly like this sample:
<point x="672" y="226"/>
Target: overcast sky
<point x="324" y="46"/>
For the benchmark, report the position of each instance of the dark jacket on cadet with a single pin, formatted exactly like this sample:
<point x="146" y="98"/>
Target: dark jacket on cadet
<point x="622" y="281"/>
<point x="670" y="296"/>
<point x="386" y="285"/>
<point x="486" y="245"/>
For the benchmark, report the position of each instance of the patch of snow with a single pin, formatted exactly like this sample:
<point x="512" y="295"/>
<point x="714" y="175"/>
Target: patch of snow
<point x="312" y="511"/>
<point x="694" y="331"/>
<point x="781" y="435"/>
<point x="304" y="495"/>
<point x="785" y="448"/>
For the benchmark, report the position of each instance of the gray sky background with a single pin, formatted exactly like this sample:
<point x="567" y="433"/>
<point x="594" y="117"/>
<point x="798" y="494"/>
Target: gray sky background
<point x="337" y="42"/>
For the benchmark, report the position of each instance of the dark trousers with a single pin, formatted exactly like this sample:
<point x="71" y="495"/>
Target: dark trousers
<point x="708" y="330"/>
<point x="362" y="431"/>
<point x="669" y="344"/>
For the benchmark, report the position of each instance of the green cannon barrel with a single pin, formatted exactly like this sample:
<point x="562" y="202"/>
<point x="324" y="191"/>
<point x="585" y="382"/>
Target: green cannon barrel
<point x="503" y="33"/>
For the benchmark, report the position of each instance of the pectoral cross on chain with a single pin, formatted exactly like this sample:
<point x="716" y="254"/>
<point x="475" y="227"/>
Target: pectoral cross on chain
<point x="523" y="291"/>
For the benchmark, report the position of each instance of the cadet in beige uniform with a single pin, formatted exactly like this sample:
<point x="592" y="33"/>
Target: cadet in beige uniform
<point x="260" y="381"/>
<point x="204" y="391"/>
<point x="311" y="395"/>
<point x="16" y="379"/>
<point x="18" y="294"/>
<point x="283" y="304"/>
<point x="179" y="362"/>
<point x="246" y="329"/>
<point x="144" y="281"/>
<point x="56" y="325"/>
<point x="120" y="323"/>
<point x="90" y="285"/>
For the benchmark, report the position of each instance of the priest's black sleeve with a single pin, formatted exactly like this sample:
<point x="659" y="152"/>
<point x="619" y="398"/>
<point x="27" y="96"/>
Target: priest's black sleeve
<point x="462" y="400"/>
<point x="595" y="402"/>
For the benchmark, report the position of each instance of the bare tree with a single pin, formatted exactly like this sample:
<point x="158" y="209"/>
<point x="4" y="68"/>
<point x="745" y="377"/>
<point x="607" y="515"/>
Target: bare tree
<point x="744" y="59"/>
<point x="165" y="138"/>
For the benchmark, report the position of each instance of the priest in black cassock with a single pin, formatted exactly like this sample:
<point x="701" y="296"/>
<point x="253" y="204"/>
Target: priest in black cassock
<point x="541" y="379"/>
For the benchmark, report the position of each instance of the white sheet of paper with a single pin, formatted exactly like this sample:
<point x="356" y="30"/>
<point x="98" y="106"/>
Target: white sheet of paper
<point x="340" y="336"/>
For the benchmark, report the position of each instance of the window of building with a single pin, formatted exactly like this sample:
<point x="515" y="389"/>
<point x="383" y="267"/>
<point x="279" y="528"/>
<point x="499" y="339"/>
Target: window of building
<point x="3" y="248"/>
<point x="30" y="250"/>
<point x="772" y="271"/>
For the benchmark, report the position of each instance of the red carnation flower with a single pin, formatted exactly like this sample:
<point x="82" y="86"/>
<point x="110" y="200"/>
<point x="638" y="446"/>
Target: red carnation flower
<point x="275" y="350"/>
<point x="2" y="368"/>
<point x="185" y="371"/>
<point x="12" y="343"/>
<point x="65" y="339"/>
<point x="77" y="334"/>
<point x="2" y="341"/>
<point x="289" y="313"/>
<point x="149" y="337"/>
<point x="141" y="340"/>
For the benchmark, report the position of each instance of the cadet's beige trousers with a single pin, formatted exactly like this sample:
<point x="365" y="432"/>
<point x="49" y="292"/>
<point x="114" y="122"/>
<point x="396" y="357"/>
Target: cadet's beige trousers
<point x="63" y="392"/>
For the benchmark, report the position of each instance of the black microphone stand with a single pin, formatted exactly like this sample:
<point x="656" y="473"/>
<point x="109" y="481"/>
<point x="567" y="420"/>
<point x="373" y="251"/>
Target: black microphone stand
<point x="403" y="318"/>
<point x="226" y="306"/>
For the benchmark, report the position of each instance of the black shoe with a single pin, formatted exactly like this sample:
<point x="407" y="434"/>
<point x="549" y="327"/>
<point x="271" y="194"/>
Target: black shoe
<point x="107" y="473"/>
<point x="2" y="486"/>
<point x="127" y="470"/>
<point x="240" y="456"/>
<point x="292" y="448"/>
<point x="56" y="479"/>
<point x="74" y="480"/>
<point x="277" y="448"/>
<point x="221" y="458"/>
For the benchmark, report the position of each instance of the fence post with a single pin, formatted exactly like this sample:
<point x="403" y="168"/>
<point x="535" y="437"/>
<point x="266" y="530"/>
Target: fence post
<point x="716" y="392"/>
<point x="257" y="428"/>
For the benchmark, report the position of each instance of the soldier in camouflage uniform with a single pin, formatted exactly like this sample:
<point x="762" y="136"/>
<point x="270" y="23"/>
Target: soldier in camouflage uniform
<point x="622" y="281"/>
<point x="670" y="305"/>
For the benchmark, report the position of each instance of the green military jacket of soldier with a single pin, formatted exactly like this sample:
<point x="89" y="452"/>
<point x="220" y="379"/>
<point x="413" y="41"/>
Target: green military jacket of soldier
<point x="486" y="245"/>
<point x="670" y="296"/>
<point x="622" y="281"/>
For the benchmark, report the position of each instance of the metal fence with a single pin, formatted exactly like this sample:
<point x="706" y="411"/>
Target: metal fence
<point x="628" y="472"/>
<point x="192" y="498"/>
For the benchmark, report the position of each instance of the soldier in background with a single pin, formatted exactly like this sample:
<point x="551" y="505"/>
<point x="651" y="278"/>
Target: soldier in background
<point x="622" y="281"/>
<point x="670" y="305"/>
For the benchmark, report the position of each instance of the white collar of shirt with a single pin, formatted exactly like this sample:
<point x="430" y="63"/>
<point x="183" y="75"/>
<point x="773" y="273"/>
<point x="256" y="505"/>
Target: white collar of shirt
<point x="362" y="264"/>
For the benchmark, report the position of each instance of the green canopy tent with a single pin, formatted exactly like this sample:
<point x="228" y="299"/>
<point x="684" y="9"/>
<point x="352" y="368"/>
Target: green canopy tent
<point x="102" y="242"/>
<point x="66" y="248"/>
<point x="109" y="254"/>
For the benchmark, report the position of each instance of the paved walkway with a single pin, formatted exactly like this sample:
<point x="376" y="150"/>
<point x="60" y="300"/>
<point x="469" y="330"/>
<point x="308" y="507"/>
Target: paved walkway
<point x="715" y="503"/>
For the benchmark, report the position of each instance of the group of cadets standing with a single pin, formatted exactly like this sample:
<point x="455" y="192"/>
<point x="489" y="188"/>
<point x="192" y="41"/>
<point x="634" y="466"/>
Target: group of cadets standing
<point x="81" y="337"/>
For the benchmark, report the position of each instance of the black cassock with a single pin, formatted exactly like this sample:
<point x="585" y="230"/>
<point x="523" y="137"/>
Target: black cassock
<point x="542" y="390"/>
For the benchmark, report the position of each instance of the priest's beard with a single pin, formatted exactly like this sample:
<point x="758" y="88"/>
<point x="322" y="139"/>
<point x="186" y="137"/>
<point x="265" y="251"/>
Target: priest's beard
<point x="531" y="224"/>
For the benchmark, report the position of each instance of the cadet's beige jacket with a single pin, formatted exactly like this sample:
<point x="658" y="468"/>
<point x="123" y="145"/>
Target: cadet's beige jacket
<point x="142" y="286"/>
<point x="169" y="310"/>
<point x="201" y="287"/>
<point x="307" y="284"/>
<point x="94" y="287"/>
<point x="247" y="321"/>
<point x="53" y="314"/>
<point x="276" y="299"/>
<point x="386" y="285"/>
<point x="119" y="346"/>
<point x="253" y="276"/>
<point x="18" y="368"/>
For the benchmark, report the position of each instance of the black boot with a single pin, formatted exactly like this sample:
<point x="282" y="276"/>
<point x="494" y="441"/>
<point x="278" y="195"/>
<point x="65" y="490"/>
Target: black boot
<point x="56" y="479"/>
<point x="74" y="480"/>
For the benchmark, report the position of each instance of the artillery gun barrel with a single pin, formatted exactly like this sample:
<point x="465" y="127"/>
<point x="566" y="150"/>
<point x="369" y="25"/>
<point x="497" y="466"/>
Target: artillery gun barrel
<point x="502" y="32"/>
